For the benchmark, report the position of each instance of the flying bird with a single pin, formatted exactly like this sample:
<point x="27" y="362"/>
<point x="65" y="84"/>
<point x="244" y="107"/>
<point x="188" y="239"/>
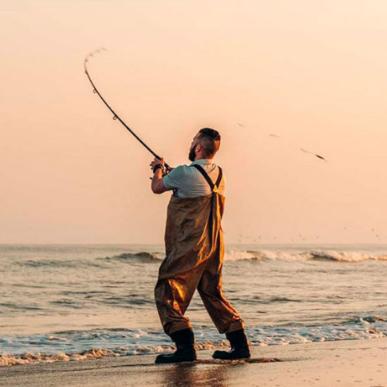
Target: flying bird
<point x="314" y="154"/>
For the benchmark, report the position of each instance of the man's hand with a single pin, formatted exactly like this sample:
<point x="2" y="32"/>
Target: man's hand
<point x="158" y="168"/>
<point x="157" y="162"/>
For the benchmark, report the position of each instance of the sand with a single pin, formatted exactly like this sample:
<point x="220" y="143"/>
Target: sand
<point x="339" y="363"/>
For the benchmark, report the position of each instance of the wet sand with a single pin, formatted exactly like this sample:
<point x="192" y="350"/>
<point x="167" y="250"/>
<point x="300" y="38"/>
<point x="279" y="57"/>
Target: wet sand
<point x="339" y="363"/>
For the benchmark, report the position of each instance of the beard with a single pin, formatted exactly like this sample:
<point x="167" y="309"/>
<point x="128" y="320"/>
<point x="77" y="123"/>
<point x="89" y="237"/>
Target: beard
<point x="191" y="154"/>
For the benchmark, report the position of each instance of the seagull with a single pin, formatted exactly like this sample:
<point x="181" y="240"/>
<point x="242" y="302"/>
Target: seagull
<point x="314" y="154"/>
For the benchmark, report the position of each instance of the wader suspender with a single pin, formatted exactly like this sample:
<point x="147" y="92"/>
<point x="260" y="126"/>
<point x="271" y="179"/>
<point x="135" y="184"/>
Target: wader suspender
<point x="208" y="179"/>
<point x="214" y="189"/>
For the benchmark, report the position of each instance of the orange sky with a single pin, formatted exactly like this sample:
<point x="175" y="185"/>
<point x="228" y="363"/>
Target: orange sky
<point x="314" y="74"/>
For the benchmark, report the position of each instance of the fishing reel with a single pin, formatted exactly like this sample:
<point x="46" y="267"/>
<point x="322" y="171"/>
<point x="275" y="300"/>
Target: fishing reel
<point x="165" y="169"/>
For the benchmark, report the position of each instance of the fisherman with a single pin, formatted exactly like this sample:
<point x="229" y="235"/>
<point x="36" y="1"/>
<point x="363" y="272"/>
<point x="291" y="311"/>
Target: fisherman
<point x="194" y="251"/>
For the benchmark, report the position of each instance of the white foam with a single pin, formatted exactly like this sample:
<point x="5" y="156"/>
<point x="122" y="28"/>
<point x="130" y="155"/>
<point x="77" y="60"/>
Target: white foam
<point x="288" y="255"/>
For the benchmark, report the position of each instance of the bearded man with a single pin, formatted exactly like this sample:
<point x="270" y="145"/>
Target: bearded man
<point x="194" y="251"/>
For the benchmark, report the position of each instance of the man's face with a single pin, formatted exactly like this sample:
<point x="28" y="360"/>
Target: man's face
<point x="194" y="143"/>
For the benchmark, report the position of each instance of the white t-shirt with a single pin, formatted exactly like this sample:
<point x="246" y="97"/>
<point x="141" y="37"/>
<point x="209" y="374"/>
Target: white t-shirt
<point x="190" y="183"/>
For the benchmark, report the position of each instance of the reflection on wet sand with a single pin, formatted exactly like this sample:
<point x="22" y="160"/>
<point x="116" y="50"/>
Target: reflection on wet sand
<point x="206" y="371"/>
<point x="194" y="375"/>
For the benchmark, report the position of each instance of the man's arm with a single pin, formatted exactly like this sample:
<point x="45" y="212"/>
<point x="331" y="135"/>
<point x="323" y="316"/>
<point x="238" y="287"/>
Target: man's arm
<point x="157" y="185"/>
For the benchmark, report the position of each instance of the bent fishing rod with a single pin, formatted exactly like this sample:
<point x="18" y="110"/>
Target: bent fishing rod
<point x="115" y="115"/>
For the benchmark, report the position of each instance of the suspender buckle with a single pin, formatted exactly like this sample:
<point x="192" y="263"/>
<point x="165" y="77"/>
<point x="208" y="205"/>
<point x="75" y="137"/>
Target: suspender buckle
<point x="213" y="186"/>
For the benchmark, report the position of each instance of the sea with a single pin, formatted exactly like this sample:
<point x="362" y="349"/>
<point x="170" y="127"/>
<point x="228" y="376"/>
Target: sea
<point x="75" y="302"/>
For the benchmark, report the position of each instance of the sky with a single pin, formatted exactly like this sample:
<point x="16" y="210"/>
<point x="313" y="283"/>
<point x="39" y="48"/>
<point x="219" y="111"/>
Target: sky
<point x="312" y="73"/>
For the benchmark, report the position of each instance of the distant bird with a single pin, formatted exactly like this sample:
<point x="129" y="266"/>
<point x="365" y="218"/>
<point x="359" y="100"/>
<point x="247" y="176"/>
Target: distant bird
<point x="375" y="233"/>
<point x="314" y="154"/>
<point x="240" y="125"/>
<point x="274" y="135"/>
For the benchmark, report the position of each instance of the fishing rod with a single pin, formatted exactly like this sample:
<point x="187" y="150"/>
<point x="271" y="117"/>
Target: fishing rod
<point x="115" y="115"/>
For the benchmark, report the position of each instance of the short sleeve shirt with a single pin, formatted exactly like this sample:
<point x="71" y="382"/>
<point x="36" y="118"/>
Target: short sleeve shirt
<point x="188" y="182"/>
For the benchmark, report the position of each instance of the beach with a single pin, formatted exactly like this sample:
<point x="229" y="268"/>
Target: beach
<point x="343" y="363"/>
<point x="85" y="315"/>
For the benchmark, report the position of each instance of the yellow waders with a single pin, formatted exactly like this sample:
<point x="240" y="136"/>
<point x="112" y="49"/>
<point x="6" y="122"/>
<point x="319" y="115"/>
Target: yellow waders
<point x="194" y="259"/>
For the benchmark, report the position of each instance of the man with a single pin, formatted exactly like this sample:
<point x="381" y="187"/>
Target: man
<point x="194" y="251"/>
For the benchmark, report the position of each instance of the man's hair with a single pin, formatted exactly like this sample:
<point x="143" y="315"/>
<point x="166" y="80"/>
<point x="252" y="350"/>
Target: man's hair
<point x="209" y="140"/>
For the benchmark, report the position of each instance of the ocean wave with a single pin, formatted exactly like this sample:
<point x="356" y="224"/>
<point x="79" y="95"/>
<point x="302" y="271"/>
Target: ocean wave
<point x="312" y="255"/>
<point x="265" y="255"/>
<point x="366" y="320"/>
<point x="18" y="306"/>
<point x="340" y="256"/>
<point x="231" y="255"/>
<point x="38" y="263"/>
<point x="141" y="256"/>
<point x="44" y="263"/>
<point x="30" y="358"/>
<point x="260" y="256"/>
<point x="57" y="263"/>
<point x="94" y="353"/>
<point x="65" y="346"/>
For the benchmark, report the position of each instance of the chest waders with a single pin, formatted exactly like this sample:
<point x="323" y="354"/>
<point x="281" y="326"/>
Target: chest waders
<point x="194" y="259"/>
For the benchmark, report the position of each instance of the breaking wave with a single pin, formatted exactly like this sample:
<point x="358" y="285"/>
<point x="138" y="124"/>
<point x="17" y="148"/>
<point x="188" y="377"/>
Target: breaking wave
<point x="312" y="255"/>
<point x="264" y="255"/>
<point x="337" y="256"/>
<point x="258" y="255"/>
<point x="96" y="344"/>
<point x="141" y="256"/>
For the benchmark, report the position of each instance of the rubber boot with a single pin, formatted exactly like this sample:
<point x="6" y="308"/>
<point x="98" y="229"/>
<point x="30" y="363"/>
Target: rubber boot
<point x="185" y="350"/>
<point x="239" y="347"/>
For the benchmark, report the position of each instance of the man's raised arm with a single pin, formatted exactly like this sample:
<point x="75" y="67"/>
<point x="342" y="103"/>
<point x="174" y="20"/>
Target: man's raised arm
<point x="157" y="185"/>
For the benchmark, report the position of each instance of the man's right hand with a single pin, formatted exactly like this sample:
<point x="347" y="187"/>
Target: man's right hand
<point x="156" y="163"/>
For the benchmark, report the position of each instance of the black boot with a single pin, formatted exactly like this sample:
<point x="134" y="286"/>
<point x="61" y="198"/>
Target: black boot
<point x="239" y="347"/>
<point x="185" y="350"/>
